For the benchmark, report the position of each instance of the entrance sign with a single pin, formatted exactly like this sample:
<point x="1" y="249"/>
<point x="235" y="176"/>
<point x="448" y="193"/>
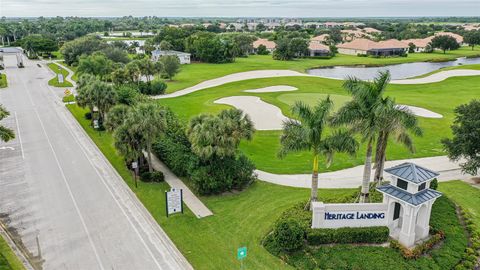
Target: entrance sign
<point x="174" y="199"/>
<point x="241" y="253"/>
<point x="349" y="215"/>
<point x="60" y="78"/>
<point x="405" y="210"/>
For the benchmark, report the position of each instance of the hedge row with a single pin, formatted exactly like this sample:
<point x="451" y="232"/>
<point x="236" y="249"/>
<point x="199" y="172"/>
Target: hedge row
<point x="377" y="234"/>
<point x="470" y="259"/>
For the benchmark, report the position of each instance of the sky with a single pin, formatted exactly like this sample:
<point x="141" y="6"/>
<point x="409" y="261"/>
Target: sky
<point x="240" y="8"/>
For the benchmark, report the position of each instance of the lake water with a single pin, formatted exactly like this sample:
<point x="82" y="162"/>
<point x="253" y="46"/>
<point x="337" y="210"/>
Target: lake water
<point x="399" y="71"/>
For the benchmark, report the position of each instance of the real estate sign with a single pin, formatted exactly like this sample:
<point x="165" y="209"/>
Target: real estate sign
<point x="174" y="199"/>
<point x="349" y="215"/>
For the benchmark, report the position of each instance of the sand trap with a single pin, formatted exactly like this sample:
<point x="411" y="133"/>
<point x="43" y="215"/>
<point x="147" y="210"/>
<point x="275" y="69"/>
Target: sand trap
<point x="265" y="116"/>
<point x="440" y="76"/>
<point x="421" y="111"/>
<point x="271" y="89"/>
<point x="256" y="74"/>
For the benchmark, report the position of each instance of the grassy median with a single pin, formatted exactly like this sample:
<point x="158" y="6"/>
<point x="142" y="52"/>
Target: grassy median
<point x="3" y="80"/>
<point x="8" y="259"/>
<point x="58" y="70"/>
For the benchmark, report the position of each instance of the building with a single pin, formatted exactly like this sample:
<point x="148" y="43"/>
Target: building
<point x="420" y="43"/>
<point x="369" y="47"/>
<point x="183" y="57"/>
<point x="270" y="45"/>
<point x="371" y="30"/>
<point x="409" y="200"/>
<point x="321" y="38"/>
<point x="349" y="35"/>
<point x="316" y="48"/>
<point x="457" y="37"/>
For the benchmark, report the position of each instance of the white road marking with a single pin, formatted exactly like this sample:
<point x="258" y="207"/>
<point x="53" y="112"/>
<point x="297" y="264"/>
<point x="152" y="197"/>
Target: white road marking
<point x="7" y="147"/>
<point x="66" y="183"/>
<point x="19" y="136"/>
<point x="106" y="186"/>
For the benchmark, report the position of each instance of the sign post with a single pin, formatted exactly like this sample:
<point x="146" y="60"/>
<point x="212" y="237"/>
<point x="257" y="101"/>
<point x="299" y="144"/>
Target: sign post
<point x="241" y="255"/>
<point x="135" y="171"/>
<point x="60" y="78"/>
<point x="174" y="201"/>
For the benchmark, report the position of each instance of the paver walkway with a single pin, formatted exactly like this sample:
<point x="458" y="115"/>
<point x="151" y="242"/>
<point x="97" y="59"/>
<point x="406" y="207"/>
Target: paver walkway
<point x="352" y="177"/>
<point x="193" y="203"/>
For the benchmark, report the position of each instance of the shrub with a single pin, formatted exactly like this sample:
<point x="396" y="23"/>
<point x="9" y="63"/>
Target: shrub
<point x="288" y="235"/>
<point x="156" y="176"/>
<point x="434" y="184"/>
<point x="157" y="87"/>
<point x="377" y="234"/>
<point x="88" y="115"/>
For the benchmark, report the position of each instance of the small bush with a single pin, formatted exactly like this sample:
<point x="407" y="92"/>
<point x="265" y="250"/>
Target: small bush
<point x="377" y="234"/>
<point x="434" y="184"/>
<point x="88" y="116"/>
<point x="152" y="177"/>
<point x="289" y="235"/>
<point x="157" y="87"/>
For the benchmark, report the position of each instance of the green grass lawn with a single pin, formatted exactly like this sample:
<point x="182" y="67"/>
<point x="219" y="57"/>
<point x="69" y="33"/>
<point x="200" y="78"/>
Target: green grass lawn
<point x="465" y="195"/>
<point x="3" y="81"/>
<point x="74" y="69"/>
<point x="54" y="81"/>
<point x="239" y="219"/>
<point x="8" y="259"/>
<point x="440" y="97"/>
<point x="198" y="72"/>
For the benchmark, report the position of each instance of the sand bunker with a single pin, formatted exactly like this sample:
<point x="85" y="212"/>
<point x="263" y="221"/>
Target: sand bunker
<point x="265" y="116"/>
<point x="421" y="111"/>
<point x="440" y="76"/>
<point x="270" y="89"/>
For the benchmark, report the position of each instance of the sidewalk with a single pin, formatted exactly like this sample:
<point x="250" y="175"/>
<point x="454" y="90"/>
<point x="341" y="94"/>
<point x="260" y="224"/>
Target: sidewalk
<point x="352" y="177"/>
<point x="192" y="202"/>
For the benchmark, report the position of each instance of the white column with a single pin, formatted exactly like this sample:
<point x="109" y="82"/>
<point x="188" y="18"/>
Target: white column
<point x="425" y="225"/>
<point x="407" y="234"/>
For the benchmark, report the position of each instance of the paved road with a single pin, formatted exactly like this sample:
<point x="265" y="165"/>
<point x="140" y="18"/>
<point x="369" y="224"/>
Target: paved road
<point x="61" y="197"/>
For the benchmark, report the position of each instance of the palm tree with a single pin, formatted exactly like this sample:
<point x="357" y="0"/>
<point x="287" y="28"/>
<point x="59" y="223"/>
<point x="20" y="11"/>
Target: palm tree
<point x="147" y="119"/>
<point x="361" y="116"/>
<point x="307" y="134"/>
<point x="219" y="136"/>
<point x="6" y="134"/>
<point x="397" y="121"/>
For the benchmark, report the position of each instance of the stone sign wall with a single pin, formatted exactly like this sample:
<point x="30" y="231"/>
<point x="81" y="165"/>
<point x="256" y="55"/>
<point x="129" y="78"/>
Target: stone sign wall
<point x="349" y="215"/>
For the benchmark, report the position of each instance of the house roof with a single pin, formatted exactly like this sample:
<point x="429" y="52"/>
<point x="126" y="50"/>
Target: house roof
<point x="320" y="38"/>
<point x="366" y="44"/>
<point x="160" y="52"/>
<point x="371" y="30"/>
<point x="267" y="43"/>
<point x="456" y="36"/>
<point x="355" y="34"/>
<point x="412" y="173"/>
<point x="317" y="46"/>
<point x="412" y="199"/>
<point x="419" y="42"/>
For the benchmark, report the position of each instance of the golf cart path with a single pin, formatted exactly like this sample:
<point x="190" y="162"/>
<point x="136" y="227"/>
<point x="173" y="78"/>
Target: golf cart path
<point x="352" y="177"/>
<point x="258" y="74"/>
<point x="193" y="203"/>
<point x="235" y="77"/>
<point x="439" y="76"/>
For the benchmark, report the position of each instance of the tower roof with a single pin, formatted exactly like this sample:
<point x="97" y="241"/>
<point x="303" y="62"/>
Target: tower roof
<point x="412" y="173"/>
<point x="405" y="196"/>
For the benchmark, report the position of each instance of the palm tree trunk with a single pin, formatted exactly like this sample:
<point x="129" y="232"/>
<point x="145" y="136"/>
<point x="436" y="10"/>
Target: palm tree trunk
<point x="314" y="192"/>
<point x="149" y="149"/>
<point x="367" y="171"/>
<point x="380" y="160"/>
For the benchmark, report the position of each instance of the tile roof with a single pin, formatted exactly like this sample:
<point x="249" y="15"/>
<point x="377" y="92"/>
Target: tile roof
<point x="320" y="38"/>
<point x="317" y="46"/>
<point x="412" y="173"/>
<point x="419" y="42"/>
<point x="267" y="43"/>
<point x="366" y="44"/>
<point x="456" y="36"/>
<point x="413" y="199"/>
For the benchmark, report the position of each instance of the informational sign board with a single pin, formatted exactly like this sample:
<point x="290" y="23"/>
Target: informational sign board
<point x="174" y="199"/>
<point x="134" y="165"/>
<point x="241" y="253"/>
<point x="60" y="78"/>
<point x="349" y="215"/>
<point x="96" y="125"/>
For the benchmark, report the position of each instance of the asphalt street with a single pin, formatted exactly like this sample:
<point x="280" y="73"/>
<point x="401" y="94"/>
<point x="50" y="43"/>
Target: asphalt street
<point x="59" y="195"/>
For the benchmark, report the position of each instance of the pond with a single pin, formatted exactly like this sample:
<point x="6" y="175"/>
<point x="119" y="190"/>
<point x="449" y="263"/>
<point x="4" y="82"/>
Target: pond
<point x="399" y="71"/>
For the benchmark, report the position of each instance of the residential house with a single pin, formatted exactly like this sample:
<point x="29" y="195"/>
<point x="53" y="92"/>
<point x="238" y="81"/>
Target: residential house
<point x="270" y="45"/>
<point x="349" y="35"/>
<point x="321" y="38"/>
<point x="316" y="48"/>
<point x="183" y="57"/>
<point x="369" y="47"/>
<point x="457" y="37"/>
<point x="420" y="43"/>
